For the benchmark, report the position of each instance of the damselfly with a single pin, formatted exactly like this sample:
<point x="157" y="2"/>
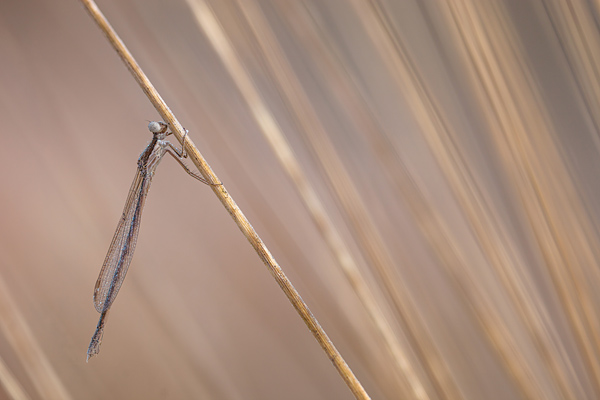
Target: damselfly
<point x="122" y="246"/>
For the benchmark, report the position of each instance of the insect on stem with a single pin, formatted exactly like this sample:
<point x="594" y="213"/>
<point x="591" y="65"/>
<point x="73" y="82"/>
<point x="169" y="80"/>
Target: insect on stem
<point x="123" y="243"/>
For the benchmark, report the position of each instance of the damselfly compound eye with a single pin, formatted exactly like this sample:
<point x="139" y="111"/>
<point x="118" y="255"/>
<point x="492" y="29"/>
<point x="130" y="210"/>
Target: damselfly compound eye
<point x="157" y="127"/>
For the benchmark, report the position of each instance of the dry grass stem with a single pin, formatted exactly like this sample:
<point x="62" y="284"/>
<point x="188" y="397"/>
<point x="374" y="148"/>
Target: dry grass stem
<point x="275" y="137"/>
<point x="202" y="11"/>
<point x="364" y="229"/>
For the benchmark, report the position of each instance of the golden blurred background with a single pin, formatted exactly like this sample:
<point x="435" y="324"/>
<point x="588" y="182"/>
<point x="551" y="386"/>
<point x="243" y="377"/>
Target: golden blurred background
<point x="424" y="171"/>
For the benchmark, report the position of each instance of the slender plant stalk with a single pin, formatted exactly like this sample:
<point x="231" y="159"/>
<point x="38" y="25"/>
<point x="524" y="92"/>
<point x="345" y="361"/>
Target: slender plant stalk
<point x="407" y="376"/>
<point x="229" y="204"/>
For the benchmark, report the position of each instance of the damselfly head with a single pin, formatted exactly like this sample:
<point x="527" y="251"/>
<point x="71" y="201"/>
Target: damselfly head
<point x="157" y="127"/>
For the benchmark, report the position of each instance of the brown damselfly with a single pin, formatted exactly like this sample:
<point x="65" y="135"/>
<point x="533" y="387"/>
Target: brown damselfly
<point x="123" y="243"/>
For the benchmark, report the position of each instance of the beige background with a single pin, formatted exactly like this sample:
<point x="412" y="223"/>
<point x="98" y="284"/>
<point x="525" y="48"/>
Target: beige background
<point x="467" y="136"/>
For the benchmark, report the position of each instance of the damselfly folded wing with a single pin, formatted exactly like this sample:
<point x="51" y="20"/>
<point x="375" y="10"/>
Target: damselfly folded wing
<point x="123" y="244"/>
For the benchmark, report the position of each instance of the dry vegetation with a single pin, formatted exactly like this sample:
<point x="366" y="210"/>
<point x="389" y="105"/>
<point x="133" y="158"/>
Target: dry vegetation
<point x="424" y="171"/>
